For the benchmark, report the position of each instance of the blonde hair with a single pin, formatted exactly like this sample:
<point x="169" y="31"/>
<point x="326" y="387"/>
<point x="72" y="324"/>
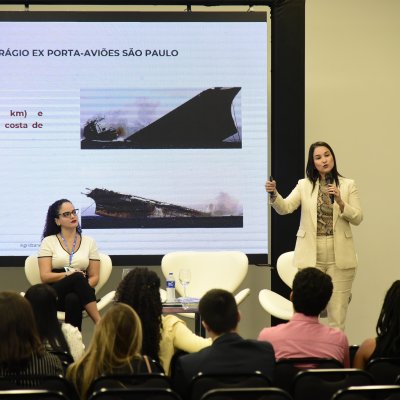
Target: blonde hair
<point x="117" y="340"/>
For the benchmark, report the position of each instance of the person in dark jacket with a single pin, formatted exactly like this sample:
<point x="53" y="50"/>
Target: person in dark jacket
<point x="229" y="352"/>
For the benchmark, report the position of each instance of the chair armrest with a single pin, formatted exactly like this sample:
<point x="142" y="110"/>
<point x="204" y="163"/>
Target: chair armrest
<point x="106" y="300"/>
<point x="243" y="294"/>
<point x="275" y="304"/>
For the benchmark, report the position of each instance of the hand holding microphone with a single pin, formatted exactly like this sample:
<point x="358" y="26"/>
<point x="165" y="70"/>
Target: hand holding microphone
<point x="333" y="190"/>
<point x="270" y="186"/>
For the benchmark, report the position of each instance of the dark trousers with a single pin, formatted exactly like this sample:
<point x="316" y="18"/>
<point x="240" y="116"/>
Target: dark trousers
<point x="73" y="293"/>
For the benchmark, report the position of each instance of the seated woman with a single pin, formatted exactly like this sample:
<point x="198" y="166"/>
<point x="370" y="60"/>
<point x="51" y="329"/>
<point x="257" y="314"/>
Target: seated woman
<point x="21" y="351"/>
<point x="387" y="342"/>
<point x="55" y="336"/>
<point x="115" y="349"/>
<point x="163" y="334"/>
<point x="69" y="262"/>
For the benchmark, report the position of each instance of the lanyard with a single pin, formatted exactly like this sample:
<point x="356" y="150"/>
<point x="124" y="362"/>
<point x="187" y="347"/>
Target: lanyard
<point x="71" y="253"/>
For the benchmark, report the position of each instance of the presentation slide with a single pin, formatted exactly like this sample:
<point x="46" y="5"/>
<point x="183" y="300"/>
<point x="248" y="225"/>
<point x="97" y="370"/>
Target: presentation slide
<point x="154" y="126"/>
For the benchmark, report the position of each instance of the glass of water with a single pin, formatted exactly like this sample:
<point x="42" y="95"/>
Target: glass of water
<point x="184" y="279"/>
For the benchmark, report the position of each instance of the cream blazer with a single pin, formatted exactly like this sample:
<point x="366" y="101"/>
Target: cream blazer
<point x="306" y="244"/>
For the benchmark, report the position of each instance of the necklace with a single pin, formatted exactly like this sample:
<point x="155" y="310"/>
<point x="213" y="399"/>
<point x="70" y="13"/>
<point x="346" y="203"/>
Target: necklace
<point x="71" y="253"/>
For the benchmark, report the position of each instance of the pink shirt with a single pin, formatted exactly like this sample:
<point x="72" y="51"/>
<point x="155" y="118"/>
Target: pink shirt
<point x="305" y="336"/>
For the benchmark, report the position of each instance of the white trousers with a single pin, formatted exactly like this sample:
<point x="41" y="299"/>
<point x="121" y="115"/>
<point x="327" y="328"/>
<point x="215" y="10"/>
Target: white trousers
<point x="342" y="280"/>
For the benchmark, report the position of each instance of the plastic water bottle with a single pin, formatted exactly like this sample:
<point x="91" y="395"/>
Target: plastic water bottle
<point x="170" y="288"/>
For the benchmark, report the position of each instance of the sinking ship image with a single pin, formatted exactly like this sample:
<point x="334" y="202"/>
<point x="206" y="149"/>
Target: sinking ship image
<point x="94" y="131"/>
<point x="117" y="210"/>
<point x="204" y="121"/>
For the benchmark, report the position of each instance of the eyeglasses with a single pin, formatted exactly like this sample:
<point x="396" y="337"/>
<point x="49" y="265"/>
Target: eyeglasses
<point x="67" y="214"/>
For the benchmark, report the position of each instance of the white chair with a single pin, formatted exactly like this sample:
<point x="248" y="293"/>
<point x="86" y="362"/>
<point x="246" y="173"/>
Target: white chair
<point x="285" y="267"/>
<point x="209" y="270"/>
<point x="33" y="275"/>
<point x="275" y="304"/>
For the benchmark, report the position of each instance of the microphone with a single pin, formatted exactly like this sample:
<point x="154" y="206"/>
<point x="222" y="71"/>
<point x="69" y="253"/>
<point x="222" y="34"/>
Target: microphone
<point x="329" y="180"/>
<point x="271" y="179"/>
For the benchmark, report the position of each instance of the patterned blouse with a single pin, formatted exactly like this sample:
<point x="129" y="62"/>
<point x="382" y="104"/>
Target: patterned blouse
<point x="324" y="211"/>
<point x="45" y="364"/>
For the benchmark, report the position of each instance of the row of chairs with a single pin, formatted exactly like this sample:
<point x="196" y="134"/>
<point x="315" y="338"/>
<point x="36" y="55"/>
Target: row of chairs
<point x="318" y="384"/>
<point x="352" y="393"/>
<point x="381" y="371"/>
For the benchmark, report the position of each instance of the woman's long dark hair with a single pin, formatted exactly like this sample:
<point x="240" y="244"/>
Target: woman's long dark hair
<point x="50" y="226"/>
<point x="140" y="289"/>
<point x="18" y="333"/>
<point x="388" y="325"/>
<point x="43" y="299"/>
<point x="311" y="171"/>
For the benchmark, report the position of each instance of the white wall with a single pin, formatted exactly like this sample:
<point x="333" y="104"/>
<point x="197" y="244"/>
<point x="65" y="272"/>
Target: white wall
<point x="352" y="102"/>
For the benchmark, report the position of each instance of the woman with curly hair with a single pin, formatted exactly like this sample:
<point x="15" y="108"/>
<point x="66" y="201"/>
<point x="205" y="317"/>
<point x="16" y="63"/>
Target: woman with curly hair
<point x="115" y="349"/>
<point x="69" y="262"/>
<point x="163" y="335"/>
<point x="387" y="342"/>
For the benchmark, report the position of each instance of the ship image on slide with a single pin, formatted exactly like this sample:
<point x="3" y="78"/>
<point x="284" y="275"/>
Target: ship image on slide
<point x="94" y="131"/>
<point x="205" y="121"/>
<point x="117" y="210"/>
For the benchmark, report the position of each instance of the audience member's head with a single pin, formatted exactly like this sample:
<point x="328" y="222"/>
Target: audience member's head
<point x="219" y="312"/>
<point x="43" y="299"/>
<point x="18" y="332"/>
<point x="140" y="289"/>
<point x="311" y="291"/>
<point x="116" y="342"/>
<point x="388" y="325"/>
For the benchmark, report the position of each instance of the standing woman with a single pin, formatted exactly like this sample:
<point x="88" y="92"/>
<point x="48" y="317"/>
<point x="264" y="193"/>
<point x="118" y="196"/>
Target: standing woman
<point x="329" y="204"/>
<point x="69" y="262"/>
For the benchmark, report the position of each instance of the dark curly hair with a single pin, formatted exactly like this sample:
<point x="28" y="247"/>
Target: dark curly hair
<point x="312" y="290"/>
<point x="50" y="227"/>
<point x="311" y="171"/>
<point x="140" y="289"/>
<point x="388" y="325"/>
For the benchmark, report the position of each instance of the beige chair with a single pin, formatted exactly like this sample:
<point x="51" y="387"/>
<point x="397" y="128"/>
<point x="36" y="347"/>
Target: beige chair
<point x="285" y="267"/>
<point x="33" y="275"/>
<point x="275" y="304"/>
<point x="209" y="270"/>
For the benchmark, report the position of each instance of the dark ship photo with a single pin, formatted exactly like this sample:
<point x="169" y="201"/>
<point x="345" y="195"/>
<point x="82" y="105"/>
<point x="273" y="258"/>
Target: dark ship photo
<point x="204" y="121"/>
<point x="117" y="210"/>
<point x="94" y="131"/>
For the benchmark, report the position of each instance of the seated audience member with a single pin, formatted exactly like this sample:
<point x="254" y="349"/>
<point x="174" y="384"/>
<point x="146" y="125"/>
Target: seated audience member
<point x="229" y="353"/>
<point x="387" y="341"/>
<point x="304" y="335"/>
<point x="163" y="335"/>
<point x="21" y="351"/>
<point x="55" y="336"/>
<point x="114" y="349"/>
